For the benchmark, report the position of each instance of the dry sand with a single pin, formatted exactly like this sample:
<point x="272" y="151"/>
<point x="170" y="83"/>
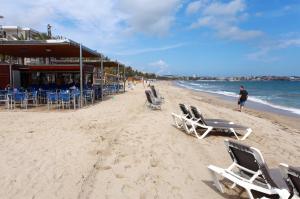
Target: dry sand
<point x="121" y="149"/>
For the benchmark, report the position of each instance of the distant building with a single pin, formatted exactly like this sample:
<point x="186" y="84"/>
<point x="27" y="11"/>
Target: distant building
<point x="13" y="33"/>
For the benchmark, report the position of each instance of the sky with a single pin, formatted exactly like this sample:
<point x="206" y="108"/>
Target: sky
<point x="176" y="37"/>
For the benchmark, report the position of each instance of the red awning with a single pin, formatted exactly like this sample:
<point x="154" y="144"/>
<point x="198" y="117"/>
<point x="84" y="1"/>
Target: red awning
<point x="47" y="48"/>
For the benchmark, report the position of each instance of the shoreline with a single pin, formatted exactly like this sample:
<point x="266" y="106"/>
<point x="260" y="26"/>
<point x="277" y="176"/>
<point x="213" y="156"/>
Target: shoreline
<point x="287" y="120"/>
<point x="250" y="104"/>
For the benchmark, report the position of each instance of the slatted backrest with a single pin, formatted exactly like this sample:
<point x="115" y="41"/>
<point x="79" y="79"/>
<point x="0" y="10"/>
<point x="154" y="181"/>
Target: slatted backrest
<point x="185" y="111"/>
<point x="154" y="91"/>
<point x="197" y="114"/>
<point x="251" y="159"/>
<point x="294" y="178"/>
<point x="148" y="95"/>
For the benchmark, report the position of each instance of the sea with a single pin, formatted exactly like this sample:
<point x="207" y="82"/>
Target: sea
<point x="281" y="97"/>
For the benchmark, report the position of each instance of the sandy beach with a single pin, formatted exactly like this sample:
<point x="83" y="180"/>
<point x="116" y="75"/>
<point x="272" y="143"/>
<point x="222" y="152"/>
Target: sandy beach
<point x="120" y="148"/>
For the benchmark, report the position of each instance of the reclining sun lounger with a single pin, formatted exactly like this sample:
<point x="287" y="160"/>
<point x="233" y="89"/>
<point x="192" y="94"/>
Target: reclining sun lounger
<point x="192" y="124"/>
<point x="199" y="122"/>
<point x="198" y="115"/>
<point x="179" y="119"/>
<point x="152" y="103"/>
<point x="156" y="93"/>
<point x="250" y="172"/>
<point x="292" y="175"/>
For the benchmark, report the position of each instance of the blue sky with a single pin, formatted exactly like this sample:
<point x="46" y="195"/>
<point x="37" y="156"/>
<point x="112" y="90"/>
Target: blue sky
<point x="202" y="37"/>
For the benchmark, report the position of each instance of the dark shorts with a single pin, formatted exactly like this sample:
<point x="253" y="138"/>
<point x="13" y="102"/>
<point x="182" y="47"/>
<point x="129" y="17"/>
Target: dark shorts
<point x="242" y="102"/>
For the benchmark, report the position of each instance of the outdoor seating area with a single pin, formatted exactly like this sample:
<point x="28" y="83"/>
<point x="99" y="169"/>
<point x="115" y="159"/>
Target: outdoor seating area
<point x="53" y="98"/>
<point x="57" y="74"/>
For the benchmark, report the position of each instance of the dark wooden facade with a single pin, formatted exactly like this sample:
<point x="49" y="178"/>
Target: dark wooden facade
<point x="4" y="75"/>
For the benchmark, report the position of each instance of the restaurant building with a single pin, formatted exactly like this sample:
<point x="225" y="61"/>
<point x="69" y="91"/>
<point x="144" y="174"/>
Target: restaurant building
<point x="33" y="60"/>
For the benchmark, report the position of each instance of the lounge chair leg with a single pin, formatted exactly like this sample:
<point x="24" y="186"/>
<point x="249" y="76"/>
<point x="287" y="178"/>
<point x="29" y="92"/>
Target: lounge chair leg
<point x="186" y="128"/>
<point x="216" y="181"/>
<point x="204" y="134"/>
<point x="176" y="122"/>
<point x="249" y="194"/>
<point x="233" y="186"/>
<point x="249" y="131"/>
<point x="233" y="131"/>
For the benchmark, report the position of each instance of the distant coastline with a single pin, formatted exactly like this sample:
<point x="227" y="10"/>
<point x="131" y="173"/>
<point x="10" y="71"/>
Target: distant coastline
<point x="233" y="78"/>
<point x="282" y="100"/>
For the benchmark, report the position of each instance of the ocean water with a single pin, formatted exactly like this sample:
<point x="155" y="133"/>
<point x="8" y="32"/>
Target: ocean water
<point x="283" y="95"/>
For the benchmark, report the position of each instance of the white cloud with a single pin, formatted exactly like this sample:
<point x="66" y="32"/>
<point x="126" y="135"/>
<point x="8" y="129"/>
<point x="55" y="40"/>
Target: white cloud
<point x="195" y="6"/>
<point x="159" y="66"/>
<point x="149" y="16"/>
<point x="225" y="9"/>
<point x="95" y="23"/>
<point x="262" y="54"/>
<point x="224" y="18"/>
<point x="236" y="33"/>
<point x="147" y="50"/>
<point x="294" y="42"/>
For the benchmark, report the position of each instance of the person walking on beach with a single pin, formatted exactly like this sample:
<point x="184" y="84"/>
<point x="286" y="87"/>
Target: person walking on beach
<point x="242" y="98"/>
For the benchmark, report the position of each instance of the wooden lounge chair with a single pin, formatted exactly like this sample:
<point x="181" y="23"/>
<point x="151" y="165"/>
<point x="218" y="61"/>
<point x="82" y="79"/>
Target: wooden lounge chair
<point x="152" y="103"/>
<point x="250" y="172"/>
<point x="292" y="175"/>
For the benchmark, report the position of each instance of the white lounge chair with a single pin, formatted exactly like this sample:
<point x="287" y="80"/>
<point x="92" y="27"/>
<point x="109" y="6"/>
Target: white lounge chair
<point x="179" y="118"/>
<point x="250" y="172"/>
<point x="292" y="175"/>
<point x="191" y="124"/>
<point x="199" y="116"/>
<point x="151" y="102"/>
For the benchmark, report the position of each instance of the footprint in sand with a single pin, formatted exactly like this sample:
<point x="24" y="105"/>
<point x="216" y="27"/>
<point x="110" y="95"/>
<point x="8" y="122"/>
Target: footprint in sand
<point x="119" y="176"/>
<point x="154" y="162"/>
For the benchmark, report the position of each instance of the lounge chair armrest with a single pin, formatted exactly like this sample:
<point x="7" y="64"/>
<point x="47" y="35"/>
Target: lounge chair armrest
<point x="215" y="171"/>
<point x="283" y="165"/>
<point x="284" y="169"/>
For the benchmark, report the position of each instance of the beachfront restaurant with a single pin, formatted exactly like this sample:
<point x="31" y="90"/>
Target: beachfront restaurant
<point x="56" y="72"/>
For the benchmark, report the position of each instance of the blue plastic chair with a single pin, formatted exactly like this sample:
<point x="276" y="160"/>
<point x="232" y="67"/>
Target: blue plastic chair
<point x="65" y="98"/>
<point x="33" y="97"/>
<point x="75" y="97"/>
<point x="20" y="98"/>
<point x="88" y="96"/>
<point x="52" y="98"/>
<point x="5" y="98"/>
